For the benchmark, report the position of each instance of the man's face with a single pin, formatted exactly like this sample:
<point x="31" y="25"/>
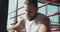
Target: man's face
<point x="31" y="8"/>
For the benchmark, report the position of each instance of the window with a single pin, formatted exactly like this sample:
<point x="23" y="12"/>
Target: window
<point x="12" y="7"/>
<point x="42" y="10"/>
<point x="12" y="12"/>
<point x="52" y="9"/>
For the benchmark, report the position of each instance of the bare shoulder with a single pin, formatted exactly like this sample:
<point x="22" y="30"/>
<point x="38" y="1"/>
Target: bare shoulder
<point x="43" y="17"/>
<point x="45" y="24"/>
<point x="46" y="19"/>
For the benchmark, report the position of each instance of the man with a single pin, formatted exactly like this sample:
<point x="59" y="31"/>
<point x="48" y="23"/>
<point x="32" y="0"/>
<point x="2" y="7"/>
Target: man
<point x="33" y="21"/>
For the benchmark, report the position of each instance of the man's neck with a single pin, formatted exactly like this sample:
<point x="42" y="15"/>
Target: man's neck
<point x="32" y="16"/>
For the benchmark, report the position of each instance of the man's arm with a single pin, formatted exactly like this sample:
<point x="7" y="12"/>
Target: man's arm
<point x="19" y="26"/>
<point x="45" y="25"/>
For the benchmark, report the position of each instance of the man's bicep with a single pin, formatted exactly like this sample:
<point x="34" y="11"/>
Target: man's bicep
<point x="19" y="25"/>
<point x="42" y="28"/>
<point x="45" y="25"/>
